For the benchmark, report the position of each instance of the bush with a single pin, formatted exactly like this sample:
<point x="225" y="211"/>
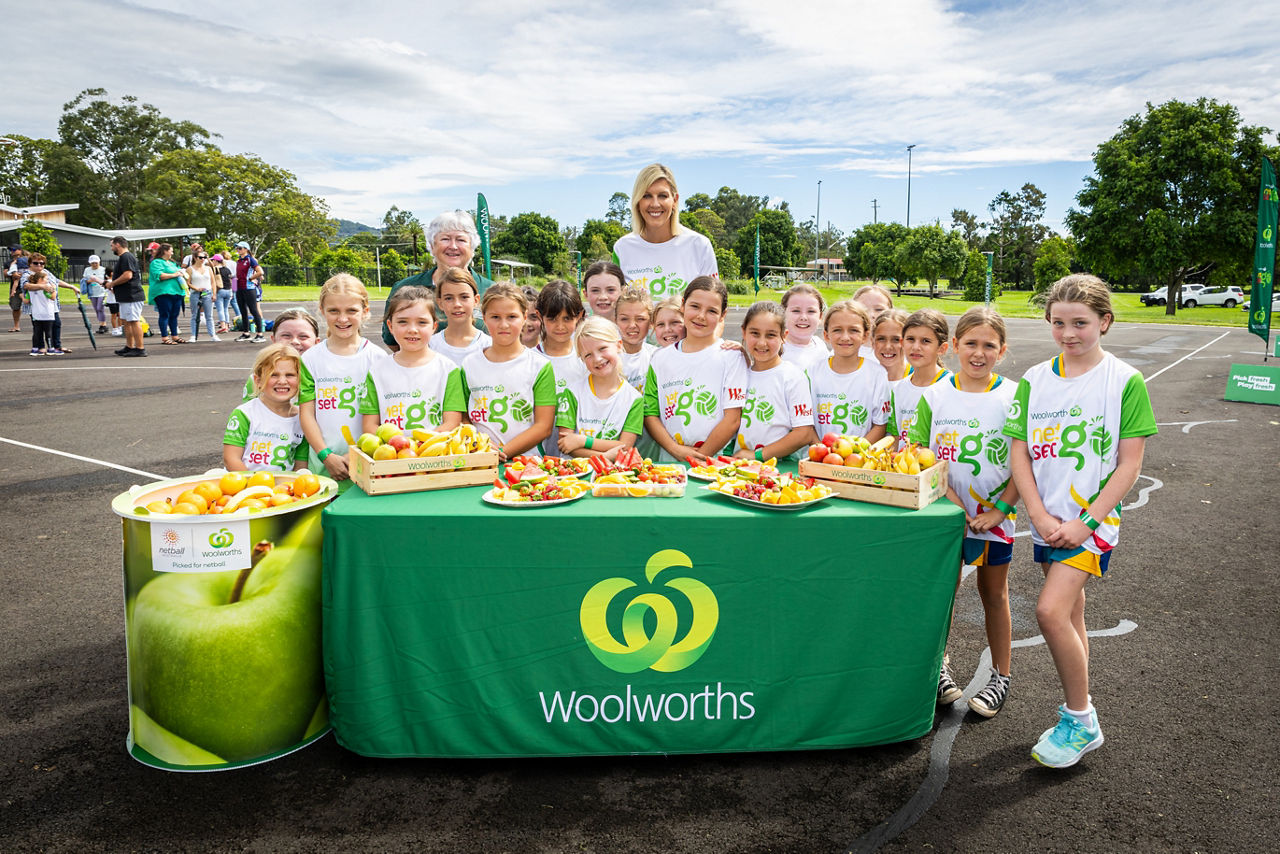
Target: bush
<point x="974" y="280"/>
<point x="728" y="264"/>
<point x="36" y="238"/>
<point x="282" y="265"/>
<point x="740" y="287"/>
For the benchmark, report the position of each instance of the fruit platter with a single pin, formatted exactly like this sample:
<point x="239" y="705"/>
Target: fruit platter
<point x="785" y="492"/>
<point x="729" y="467"/>
<point x="533" y="487"/>
<point x="234" y="493"/>
<point x="633" y="476"/>
<point x="554" y="466"/>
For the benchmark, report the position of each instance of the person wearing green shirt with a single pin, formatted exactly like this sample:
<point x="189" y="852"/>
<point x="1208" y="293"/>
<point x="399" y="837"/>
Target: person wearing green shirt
<point x="453" y="239"/>
<point x="166" y="289"/>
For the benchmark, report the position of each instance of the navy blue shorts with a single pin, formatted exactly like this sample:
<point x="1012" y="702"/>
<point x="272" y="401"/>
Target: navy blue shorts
<point x="986" y="552"/>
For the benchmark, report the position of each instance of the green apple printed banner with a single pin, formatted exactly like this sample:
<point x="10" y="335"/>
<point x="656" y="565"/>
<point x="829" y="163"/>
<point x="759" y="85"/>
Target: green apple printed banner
<point x="224" y="664"/>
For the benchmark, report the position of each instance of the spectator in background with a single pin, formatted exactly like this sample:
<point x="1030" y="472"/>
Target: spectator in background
<point x="166" y="281"/>
<point x="200" y="283"/>
<point x="126" y="284"/>
<point x="91" y="286"/>
<point x="190" y="257"/>
<point x="248" y="274"/>
<point x="50" y="313"/>
<point x="17" y="266"/>
<point x="226" y="274"/>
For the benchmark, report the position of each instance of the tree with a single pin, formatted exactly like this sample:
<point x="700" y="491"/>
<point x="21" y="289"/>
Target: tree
<point x="283" y="265"/>
<point x="117" y="142"/>
<point x="606" y="231"/>
<point x="393" y="267"/>
<point x="728" y="264"/>
<point x="830" y="241"/>
<point x="968" y="226"/>
<point x="341" y="260"/>
<point x="1173" y="194"/>
<point x="709" y="223"/>
<point x="974" y="279"/>
<point x="1016" y="232"/>
<point x="872" y="252"/>
<point x="735" y="208"/>
<point x="778" y="244"/>
<point x="619" y="210"/>
<point x="531" y="237"/>
<point x="401" y="228"/>
<point x="44" y="172"/>
<point x="1053" y="261"/>
<point x="34" y="237"/>
<point x="933" y="253"/>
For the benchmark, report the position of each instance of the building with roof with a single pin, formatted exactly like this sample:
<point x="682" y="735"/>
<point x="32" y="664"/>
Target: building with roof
<point x="78" y="242"/>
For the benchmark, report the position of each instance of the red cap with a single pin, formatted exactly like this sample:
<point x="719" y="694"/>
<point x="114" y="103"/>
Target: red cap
<point x="152" y="246"/>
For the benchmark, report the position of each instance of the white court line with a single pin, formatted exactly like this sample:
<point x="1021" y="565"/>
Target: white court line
<point x="1188" y="356"/>
<point x="130" y="367"/>
<point x="84" y="459"/>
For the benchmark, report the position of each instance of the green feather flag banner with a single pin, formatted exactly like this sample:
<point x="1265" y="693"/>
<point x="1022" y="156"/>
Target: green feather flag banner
<point x="482" y="217"/>
<point x="1264" y="255"/>
<point x="757" y="261"/>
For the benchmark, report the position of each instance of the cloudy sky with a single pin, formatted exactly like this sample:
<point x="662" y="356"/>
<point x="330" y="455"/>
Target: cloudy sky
<point x="554" y="106"/>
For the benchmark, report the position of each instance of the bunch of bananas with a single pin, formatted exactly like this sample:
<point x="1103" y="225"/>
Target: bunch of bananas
<point x="463" y="439"/>
<point x="910" y="460"/>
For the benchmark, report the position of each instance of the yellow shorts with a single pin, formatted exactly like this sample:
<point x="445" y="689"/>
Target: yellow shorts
<point x="1081" y="559"/>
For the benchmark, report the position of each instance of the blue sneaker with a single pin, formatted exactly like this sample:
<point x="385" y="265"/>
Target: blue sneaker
<point x="1062" y="746"/>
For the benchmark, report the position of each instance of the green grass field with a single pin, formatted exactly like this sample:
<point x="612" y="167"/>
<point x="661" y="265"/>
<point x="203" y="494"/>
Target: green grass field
<point x="1013" y="304"/>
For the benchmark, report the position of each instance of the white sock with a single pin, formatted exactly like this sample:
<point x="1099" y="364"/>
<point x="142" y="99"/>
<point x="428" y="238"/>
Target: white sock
<point x="1086" y="718"/>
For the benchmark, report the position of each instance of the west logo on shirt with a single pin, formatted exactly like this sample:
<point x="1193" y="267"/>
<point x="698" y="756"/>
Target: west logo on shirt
<point x="337" y="393"/>
<point x="1063" y="441"/>
<point x="494" y="406"/>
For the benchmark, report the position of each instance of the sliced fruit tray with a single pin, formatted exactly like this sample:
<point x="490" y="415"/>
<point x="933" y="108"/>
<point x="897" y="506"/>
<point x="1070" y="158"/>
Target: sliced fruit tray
<point x="633" y="476"/>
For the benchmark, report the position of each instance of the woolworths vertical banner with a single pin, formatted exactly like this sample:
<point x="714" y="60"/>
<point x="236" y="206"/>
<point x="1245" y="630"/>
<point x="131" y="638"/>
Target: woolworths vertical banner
<point x="757" y="258"/>
<point x="1264" y="255"/>
<point x="482" y="215"/>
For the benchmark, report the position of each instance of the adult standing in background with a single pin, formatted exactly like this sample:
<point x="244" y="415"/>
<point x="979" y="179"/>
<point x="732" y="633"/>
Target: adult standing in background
<point x="167" y="290"/>
<point x="659" y="254"/>
<point x="226" y="275"/>
<point x="248" y="273"/>
<point x="201" y="278"/>
<point x="189" y="258"/>
<point x="126" y="284"/>
<point x="17" y="266"/>
<point x="91" y="286"/>
<point x="453" y="239"/>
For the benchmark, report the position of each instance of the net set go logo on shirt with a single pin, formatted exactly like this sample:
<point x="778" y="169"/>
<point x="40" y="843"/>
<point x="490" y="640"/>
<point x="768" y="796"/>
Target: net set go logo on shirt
<point x="500" y="409"/>
<point x="969" y="448"/>
<point x="843" y="418"/>
<point x="1068" y="441"/>
<point x="407" y="410"/>
<point x="338" y="393"/>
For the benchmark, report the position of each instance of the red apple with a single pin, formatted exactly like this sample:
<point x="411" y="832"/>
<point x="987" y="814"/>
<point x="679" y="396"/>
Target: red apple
<point x="833" y="460"/>
<point x="818" y="451"/>
<point x="830" y="440"/>
<point x="399" y="442"/>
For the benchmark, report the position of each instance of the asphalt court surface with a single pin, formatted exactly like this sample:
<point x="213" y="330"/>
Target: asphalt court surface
<point x="1182" y="666"/>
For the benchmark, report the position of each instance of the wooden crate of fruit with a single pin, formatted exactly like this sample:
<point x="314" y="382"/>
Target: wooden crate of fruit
<point x="416" y="474"/>
<point x="911" y="491"/>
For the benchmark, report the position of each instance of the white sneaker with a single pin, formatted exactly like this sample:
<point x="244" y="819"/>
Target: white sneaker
<point x="214" y="338"/>
<point x="117" y="332"/>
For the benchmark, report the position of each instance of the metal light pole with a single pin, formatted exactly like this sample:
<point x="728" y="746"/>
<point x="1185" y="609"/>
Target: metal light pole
<point x="817" y="229"/>
<point x="909" y="147"/>
<point x="875" y="211"/>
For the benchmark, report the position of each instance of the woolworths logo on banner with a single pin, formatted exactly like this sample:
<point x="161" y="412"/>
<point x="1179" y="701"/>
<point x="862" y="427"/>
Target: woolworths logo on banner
<point x="639" y="649"/>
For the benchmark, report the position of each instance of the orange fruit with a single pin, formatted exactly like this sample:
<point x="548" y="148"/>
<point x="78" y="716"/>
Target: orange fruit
<point x="262" y="478"/>
<point x="159" y="507"/>
<point x="232" y="482"/>
<point x="185" y="509"/>
<point x="279" y="498"/>
<point x="208" y="490"/>
<point x="222" y="502"/>
<point x="637" y="491"/>
<point x="305" y="485"/>
<point x="286" y="488"/>
<point x="252" y="504"/>
<point x="190" y="497"/>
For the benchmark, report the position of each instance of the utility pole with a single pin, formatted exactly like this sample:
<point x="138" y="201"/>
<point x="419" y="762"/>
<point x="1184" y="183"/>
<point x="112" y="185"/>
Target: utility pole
<point x="909" y="147"/>
<point x="875" y="211"/>
<point x="817" y="229"/>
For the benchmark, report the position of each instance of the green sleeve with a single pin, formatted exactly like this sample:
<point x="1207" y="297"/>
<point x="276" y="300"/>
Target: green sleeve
<point x="248" y="390"/>
<point x="1137" y="417"/>
<point x="635" y="418"/>
<point x="303" y="451"/>
<point x="466" y="391"/>
<point x="651" y="394"/>
<point x="237" y="432"/>
<point x="567" y="414"/>
<point x="891" y="426"/>
<point x="369" y="397"/>
<point x="454" y="399"/>
<point x="1015" y="424"/>
<point x="306" y="384"/>
<point x="922" y="428"/>
<point x="544" y="387"/>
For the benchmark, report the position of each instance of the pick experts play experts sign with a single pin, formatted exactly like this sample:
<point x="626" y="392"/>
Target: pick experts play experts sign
<point x="200" y="546"/>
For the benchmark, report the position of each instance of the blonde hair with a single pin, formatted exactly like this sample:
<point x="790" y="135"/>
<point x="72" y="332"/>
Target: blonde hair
<point x="893" y="315"/>
<point x="848" y="306"/>
<point x="648" y="175"/>
<point x="344" y="283"/>
<point x="880" y="289"/>
<point x="669" y="303"/>
<point x="1089" y="291"/>
<point x="266" y="361"/>
<point x="599" y="328"/>
<point x="504" y="290"/>
<point x="635" y="293"/>
<point x="981" y="315"/>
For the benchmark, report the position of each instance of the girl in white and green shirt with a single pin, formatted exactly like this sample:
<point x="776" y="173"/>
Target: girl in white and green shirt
<point x="777" y="416"/>
<point x="600" y="413"/>
<point x="264" y="434"/>
<point x="923" y="341"/>
<point x="850" y="391"/>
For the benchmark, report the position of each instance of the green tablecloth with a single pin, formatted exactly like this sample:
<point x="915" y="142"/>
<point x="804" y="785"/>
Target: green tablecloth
<point x="616" y="626"/>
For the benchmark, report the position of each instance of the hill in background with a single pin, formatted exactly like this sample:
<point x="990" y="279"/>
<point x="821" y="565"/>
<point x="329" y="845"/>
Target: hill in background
<point x="346" y="228"/>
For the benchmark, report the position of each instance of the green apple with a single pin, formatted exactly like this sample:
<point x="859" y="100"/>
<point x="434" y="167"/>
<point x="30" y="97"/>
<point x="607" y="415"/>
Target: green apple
<point x="386" y="431"/>
<point x="368" y="443"/>
<point x="238" y="679"/>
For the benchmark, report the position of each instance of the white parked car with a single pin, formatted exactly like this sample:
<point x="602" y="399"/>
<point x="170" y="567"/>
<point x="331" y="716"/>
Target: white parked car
<point x="1160" y="296"/>
<point x="1275" y="305"/>
<point x="1229" y="297"/>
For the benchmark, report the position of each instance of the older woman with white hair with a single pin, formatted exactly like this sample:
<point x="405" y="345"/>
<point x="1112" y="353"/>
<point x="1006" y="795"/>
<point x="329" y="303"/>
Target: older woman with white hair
<point x="453" y="239"/>
<point x="659" y="254"/>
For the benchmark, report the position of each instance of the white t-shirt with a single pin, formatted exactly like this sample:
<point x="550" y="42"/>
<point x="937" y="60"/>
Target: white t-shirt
<point x="569" y="370"/>
<point x="778" y="401"/>
<point x="691" y="392"/>
<point x="335" y="384"/>
<point x="501" y="396"/>
<point x="271" y="442"/>
<point x="1072" y="427"/>
<point x="601" y="418"/>
<point x="201" y="278"/>
<point x="967" y="428"/>
<point x="94" y="277"/>
<point x="635" y="366"/>
<point x="904" y="397"/>
<point x="807" y="356"/>
<point x="43" y="306"/>
<point x="458" y="354"/>
<point x="665" y="268"/>
<point x="412" y="397"/>
<point x="849" y="404"/>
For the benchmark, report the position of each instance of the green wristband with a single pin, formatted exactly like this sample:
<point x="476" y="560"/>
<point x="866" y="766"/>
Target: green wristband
<point x="760" y="454"/>
<point x="1091" y="522"/>
<point x="1004" y="507"/>
<point x="591" y="440"/>
<point x="324" y="453"/>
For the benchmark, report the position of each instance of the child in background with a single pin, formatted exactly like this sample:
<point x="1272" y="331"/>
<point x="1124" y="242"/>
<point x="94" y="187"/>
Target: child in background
<point x="668" y="322"/>
<point x="633" y="313"/>
<point x="695" y="389"/>
<point x="333" y="374"/>
<point x="603" y="283"/>
<point x="510" y="390"/>
<point x="1079" y="424"/>
<point x="416" y="387"/>
<point x="962" y="419"/>
<point x="876" y="299"/>
<point x="777" y="417"/>
<point x="561" y="310"/>
<point x="456" y="295"/>
<point x="47" y="295"/>
<point x="850" y="391"/>
<point x="803" y="307"/>
<point x="38" y="291"/>
<point x="923" y="341"/>
<point x="91" y="286"/>
<point x="531" y="335"/>
<point x="886" y="343"/>
<point x="295" y="327"/>
<point x="265" y="434"/>
<point x="603" y="413"/>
